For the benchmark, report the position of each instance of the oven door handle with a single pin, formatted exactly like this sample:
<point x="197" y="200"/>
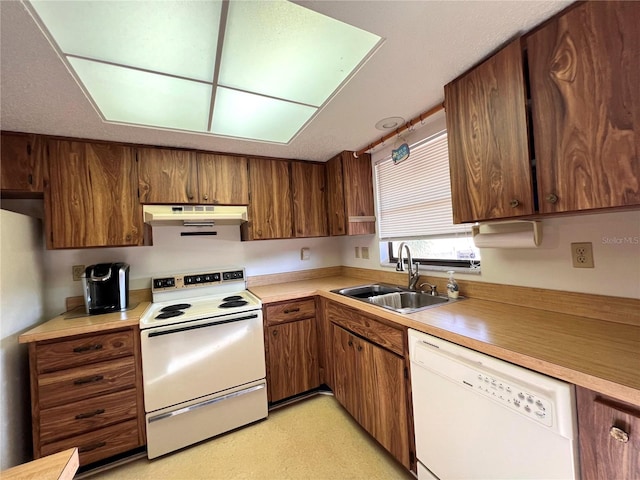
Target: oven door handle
<point x="213" y="401"/>
<point x="186" y="328"/>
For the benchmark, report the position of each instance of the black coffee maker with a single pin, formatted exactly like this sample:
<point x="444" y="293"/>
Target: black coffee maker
<point x="106" y="287"/>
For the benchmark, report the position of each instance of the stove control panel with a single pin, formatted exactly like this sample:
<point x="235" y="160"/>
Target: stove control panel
<point x="193" y="280"/>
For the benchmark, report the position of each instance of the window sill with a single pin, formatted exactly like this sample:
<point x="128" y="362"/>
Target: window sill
<point x="436" y="268"/>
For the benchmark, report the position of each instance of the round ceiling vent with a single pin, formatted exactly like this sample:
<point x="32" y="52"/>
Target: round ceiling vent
<point x="390" y="123"/>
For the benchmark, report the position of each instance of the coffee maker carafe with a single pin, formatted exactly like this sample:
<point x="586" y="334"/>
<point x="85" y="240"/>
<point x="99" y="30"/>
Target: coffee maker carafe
<point x="106" y="287"/>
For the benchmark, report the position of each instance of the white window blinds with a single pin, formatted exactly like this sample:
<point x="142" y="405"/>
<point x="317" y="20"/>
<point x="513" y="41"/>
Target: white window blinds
<point x="414" y="196"/>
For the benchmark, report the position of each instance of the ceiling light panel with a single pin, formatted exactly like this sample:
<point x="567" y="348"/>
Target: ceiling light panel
<point x="173" y="37"/>
<point x="283" y="50"/>
<point x="133" y="96"/>
<point x="245" y="115"/>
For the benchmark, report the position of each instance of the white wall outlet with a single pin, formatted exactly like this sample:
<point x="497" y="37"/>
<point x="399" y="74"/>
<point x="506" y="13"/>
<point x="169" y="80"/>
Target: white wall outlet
<point x="357" y="252"/>
<point x="305" y="254"/>
<point x="365" y="252"/>
<point x="77" y="271"/>
<point x="582" y="255"/>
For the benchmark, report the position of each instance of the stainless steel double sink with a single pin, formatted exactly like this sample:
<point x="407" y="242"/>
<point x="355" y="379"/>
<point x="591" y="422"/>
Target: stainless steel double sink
<point x="393" y="297"/>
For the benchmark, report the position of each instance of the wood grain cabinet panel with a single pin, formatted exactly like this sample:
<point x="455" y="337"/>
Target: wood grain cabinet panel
<point x="222" y="179"/>
<point x="369" y="382"/>
<point x="609" y="437"/>
<point x="290" y="311"/>
<point x="488" y="142"/>
<point x="92" y="197"/>
<point x="270" y="208"/>
<point x="23" y="164"/>
<point x="87" y="396"/>
<point x="167" y="176"/>
<point x="585" y="95"/>
<point x="309" y="199"/>
<point x="293" y="359"/>
<point x="82" y="351"/>
<point x="350" y="195"/>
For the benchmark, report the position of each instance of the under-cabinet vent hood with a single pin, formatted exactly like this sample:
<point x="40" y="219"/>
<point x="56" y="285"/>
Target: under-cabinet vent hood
<point x="194" y="215"/>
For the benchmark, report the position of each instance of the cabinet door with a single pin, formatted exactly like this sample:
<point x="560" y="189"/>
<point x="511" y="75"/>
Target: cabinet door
<point x="222" y="179"/>
<point x="92" y="196"/>
<point x="488" y="140"/>
<point x="335" y="197"/>
<point x="390" y="422"/>
<point x="345" y="374"/>
<point x="293" y="359"/>
<point x="585" y="101"/>
<point x="167" y="176"/>
<point x="309" y="205"/>
<point x="609" y="437"/>
<point x="22" y="163"/>
<point x="270" y="214"/>
<point x="358" y="193"/>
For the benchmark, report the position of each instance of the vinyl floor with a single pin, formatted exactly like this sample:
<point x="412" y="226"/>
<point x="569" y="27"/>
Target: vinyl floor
<point x="311" y="439"/>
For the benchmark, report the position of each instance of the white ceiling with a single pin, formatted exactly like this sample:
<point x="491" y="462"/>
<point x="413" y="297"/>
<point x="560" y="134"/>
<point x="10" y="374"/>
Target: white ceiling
<point x="427" y="44"/>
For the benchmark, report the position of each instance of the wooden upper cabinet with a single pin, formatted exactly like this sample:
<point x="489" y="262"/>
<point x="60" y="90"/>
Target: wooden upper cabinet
<point x="179" y="176"/>
<point x="167" y="176"/>
<point x="585" y="89"/>
<point x="91" y="199"/>
<point x="350" y="195"/>
<point x="222" y="179"/>
<point x="23" y="163"/>
<point x="309" y="199"/>
<point x="488" y="140"/>
<point x="270" y="212"/>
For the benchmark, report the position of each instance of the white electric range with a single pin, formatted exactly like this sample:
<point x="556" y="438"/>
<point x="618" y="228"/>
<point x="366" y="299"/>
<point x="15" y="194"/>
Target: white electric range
<point x="203" y="358"/>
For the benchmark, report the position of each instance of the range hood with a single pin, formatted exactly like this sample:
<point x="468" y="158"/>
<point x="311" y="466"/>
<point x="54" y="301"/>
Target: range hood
<point x="194" y="215"/>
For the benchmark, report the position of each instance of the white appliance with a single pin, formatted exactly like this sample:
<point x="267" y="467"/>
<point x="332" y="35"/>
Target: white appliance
<point x="477" y="417"/>
<point x="194" y="215"/>
<point x="203" y="358"/>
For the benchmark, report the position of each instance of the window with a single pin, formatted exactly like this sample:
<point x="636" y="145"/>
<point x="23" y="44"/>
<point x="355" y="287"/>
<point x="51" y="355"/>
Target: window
<point x="414" y="205"/>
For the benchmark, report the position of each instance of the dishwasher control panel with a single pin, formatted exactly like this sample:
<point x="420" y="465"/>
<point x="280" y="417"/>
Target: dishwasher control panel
<point x="515" y="397"/>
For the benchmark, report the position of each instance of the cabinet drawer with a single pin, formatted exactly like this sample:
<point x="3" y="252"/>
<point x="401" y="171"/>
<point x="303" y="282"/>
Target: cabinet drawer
<point x="90" y="414"/>
<point x="99" y="444"/>
<point x="79" y="383"/>
<point x="290" y="311"/>
<point x="83" y="350"/>
<point x="377" y="332"/>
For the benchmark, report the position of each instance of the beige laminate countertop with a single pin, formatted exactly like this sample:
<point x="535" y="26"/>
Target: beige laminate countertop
<point x="58" y="466"/>
<point x="600" y="355"/>
<point x="63" y="326"/>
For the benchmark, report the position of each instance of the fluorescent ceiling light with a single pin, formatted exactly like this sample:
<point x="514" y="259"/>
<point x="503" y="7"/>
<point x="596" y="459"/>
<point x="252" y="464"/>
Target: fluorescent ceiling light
<point x="159" y="63"/>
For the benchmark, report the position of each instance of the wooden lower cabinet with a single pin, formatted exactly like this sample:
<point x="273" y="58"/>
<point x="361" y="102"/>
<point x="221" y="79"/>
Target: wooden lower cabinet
<point x="371" y="383"/>
<point x="86" y="392"/>
<point x="291" y="348"/>
<point x="609" y="437"/>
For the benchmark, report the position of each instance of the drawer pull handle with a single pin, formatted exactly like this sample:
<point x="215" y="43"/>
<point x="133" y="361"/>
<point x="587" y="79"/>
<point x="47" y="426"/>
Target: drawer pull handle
<point x="88" y="348"/>
<point x="80" y="416"/>
<point x="82" y="381"/>
<point x="91" y="446"/>
<point x="619" y="435"/>
<point x="292" y="310"/>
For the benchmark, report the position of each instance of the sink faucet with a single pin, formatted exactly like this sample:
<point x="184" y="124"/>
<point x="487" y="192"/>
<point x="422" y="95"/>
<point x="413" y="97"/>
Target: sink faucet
<point x="413" y="275"/>
<point x="434" y="288"/>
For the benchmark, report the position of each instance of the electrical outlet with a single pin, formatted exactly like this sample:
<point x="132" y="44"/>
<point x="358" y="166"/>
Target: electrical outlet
<point x="365" y="252"/>
<point x="582" y="255"/>
<point x="357" y="252"/>
<point x="77" y="271"/>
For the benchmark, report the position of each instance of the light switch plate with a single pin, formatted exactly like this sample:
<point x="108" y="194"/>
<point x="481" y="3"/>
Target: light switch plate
<point x="305" y="254"/>
<point x="77" y="271"/>
<point x="365" y="252"/>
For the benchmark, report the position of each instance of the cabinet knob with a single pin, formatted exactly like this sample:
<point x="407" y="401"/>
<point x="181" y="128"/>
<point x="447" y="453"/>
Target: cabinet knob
<point x="190" y="196"/>
<point x="205" y="197"/>
<point x="551" y="198"/>
<point x="275" y="333"/>
<point x="350" y="343"/>
<point x="359" y="348"/>
<point x="514" y="203"/>
<point x="619" y="434"/>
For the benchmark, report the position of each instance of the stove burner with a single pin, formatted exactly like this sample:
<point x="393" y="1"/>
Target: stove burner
<point x="169" y="314"/>
<point x="177" y="306"/>
<point x="231" y="298"/>
<point x="233" y="303"/>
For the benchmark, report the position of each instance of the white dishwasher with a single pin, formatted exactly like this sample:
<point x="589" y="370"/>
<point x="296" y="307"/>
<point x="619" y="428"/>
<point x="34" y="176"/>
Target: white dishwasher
<point x="477" y="417"/>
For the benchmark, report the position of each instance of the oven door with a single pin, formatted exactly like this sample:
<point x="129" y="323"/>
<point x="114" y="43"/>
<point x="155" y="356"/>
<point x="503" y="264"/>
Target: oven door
<point x="189" y="360"/>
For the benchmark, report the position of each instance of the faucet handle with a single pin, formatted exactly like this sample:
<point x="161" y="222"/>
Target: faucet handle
<point x="399" y="267"/>
<point x="434" y="288"/>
